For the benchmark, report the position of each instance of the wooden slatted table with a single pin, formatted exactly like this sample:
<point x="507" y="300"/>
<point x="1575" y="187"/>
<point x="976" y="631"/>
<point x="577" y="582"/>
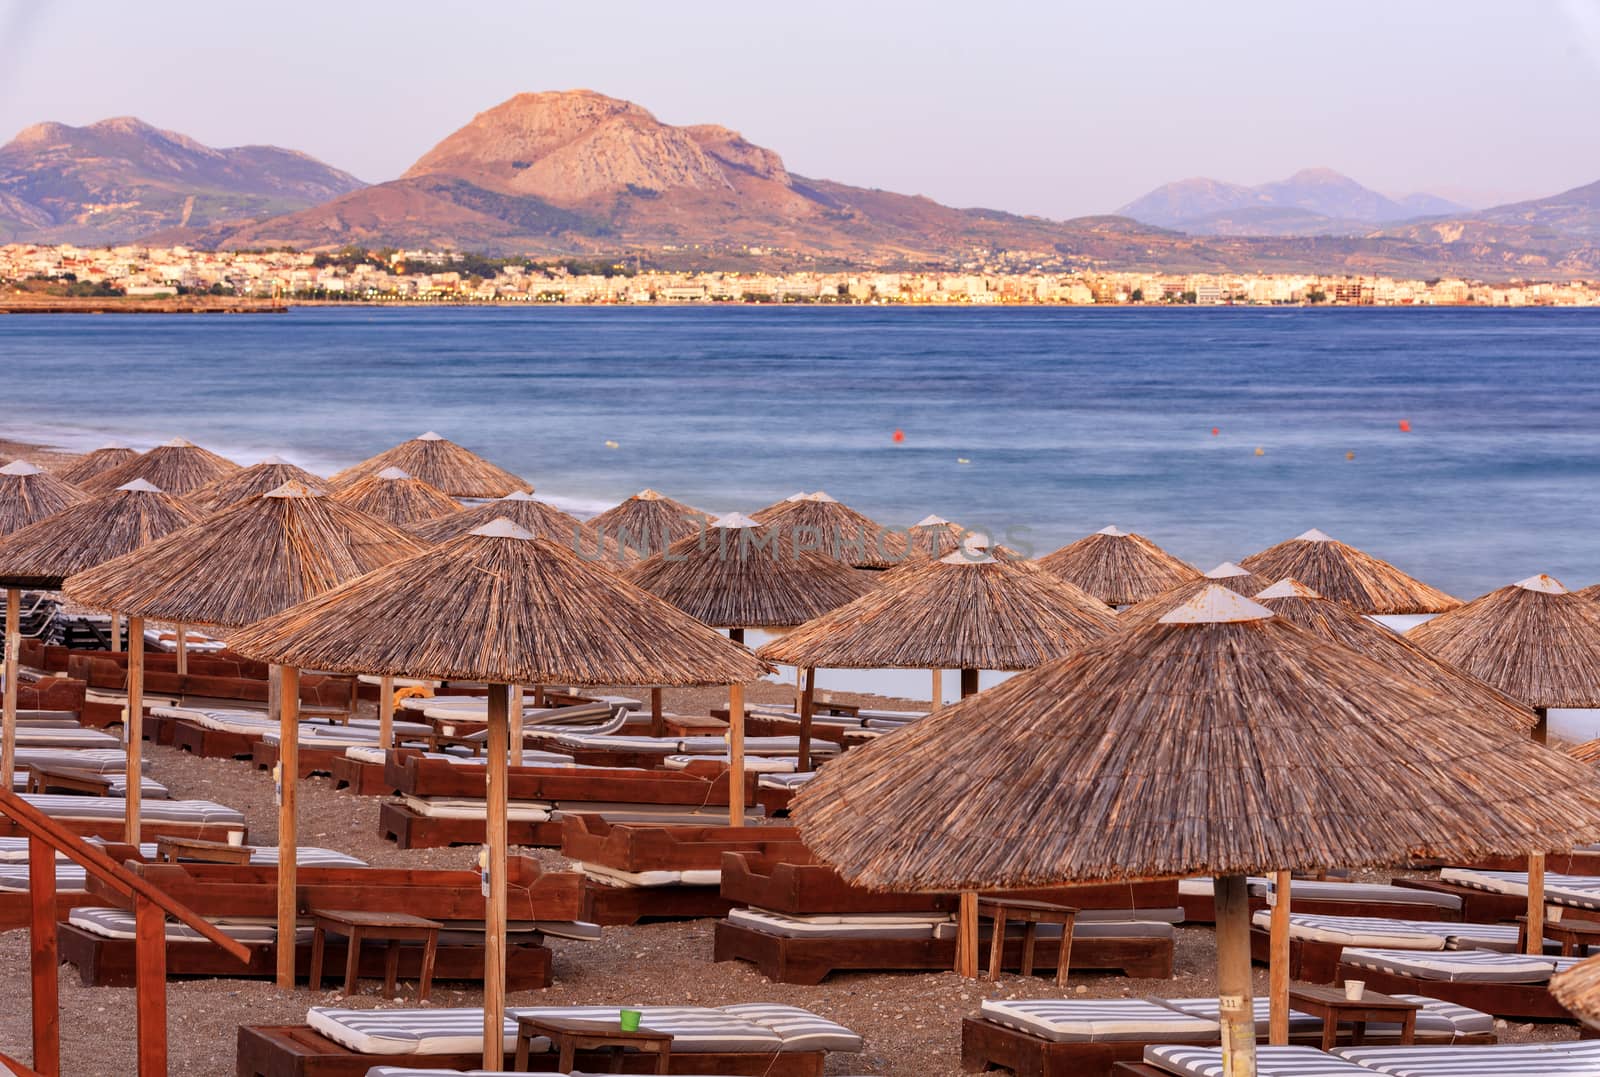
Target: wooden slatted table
<point x="1031" y="914"/>
<point x="359" y="925"/>
<point x="1330" y="1004"/>
<point x="569" y="1036"/>
<point x="173" y="849"/>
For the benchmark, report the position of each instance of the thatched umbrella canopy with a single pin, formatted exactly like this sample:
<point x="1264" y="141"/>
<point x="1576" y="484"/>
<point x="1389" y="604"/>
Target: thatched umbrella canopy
<point x="1221" y="739"/>
<point x="767" y="510"/>
<point x="1294" y="601"/>
<point x="530" y="514"/>
<point x="953" y="613"/>
<point x="1345" y="574"/>
<point x="233" y="568"/>
<point x="742" y="574"/>
<point x="499" y="605"/>
<point x="836" y="529"/>
<point x="1587" y="752"/>
<point x="28" y="494"/>
<point x="1578" y="989"/>
<point x="1227" y="574"/>
<point x="1590" y="592"/>
<point x="1118" y="567"/>
<point x="245" y="562"/>
<point x="442" y="463"/>
<point x="502" y="606"/>
<point x="1534" y="640"/>
<point x="649" y="522"/>
<point x="253" y="481"/>
<point x="179" y="467"/>
<point x="933" y="537"/>
<point x="395" y="496"/>
<point x="90" y="532"/>
<point x="93" y="463"/>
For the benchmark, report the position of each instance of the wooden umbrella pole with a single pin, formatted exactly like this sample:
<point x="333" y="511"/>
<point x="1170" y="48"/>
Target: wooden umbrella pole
<point x="969" y="683"/>
<point x="808" y="696"/>
<point x="736" y="635"/>
<point x="799" y="687"/>
<point x="386" y="712"/>
<point x="1233" y="976"/>
<point x="938" y="690"/>
<point x="735" y="755"/>
<point x="1278" y="963"/>
<point x="116" y="634"/>
<point x="658" y="719"/>
<point x="514" y="725"/>
<point x="494" y="935"/>
<point x="183" y="650"/>
<point x="8" y="737"/>
<point x="1535" y="903"/>
<point x="288" y="785"/>
<point x="1541" y="730"/>
<point x="967" y="914"/>
<point x="133" y="726"/>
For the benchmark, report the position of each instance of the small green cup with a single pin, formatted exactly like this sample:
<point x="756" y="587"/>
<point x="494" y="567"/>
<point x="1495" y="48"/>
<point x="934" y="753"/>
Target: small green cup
<point x="630" y="1020"/>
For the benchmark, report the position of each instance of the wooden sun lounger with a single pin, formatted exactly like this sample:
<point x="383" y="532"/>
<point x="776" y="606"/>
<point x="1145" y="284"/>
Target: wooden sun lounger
<point x="412" y="774"/>
<point x="151" y="829"/>
<point x="298" y="1051"/>
<point x="409" y="830"/>
<point x="313" y="759"/>
<point x="1477" y="906"/>
<point x="810" y="960"/>
<point x="108" y="962"/>
<point x="641" y="847"/>
<point x="360" y="777"/>
<point x="1529" y="1001"/>
<point x="794" y="884"/>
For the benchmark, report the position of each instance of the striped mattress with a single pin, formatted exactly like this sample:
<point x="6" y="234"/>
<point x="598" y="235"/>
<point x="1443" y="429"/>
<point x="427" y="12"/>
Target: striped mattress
<point x="157" y="811"/>
<point x="1100" y="1020"/>
<point x="1454" y="966"/>
<point x="1270" y="1062"/>
<point x="1568" y="1059"/>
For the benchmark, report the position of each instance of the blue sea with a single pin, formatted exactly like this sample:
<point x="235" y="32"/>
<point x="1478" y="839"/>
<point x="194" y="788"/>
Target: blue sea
<point x="1036" y="425"/>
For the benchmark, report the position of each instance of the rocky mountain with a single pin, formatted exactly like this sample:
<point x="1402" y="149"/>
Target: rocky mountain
<point x="120" y="179"/>
<point x="1313" y="201"/>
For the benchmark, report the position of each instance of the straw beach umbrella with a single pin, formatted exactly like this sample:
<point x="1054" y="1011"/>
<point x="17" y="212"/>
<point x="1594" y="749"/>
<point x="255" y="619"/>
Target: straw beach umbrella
<point x="231" y="569"/>
<point x="1345" y="574"/>
<point x="501" y="606"/>
<point x="1221" y="739"/>
<point x="1578" y="989"/>
<point x="1227" y="575"/>
<point x="738" y="575"/>
<point x="441" y="463"/>
<point x="178" y="467"/>
<point x="933" y="537"/>
<point x="649" y="522"/>
<point x="953" y="613"/>
<point x="530" y="514"/>
<point x="837" y="530"/>
<point x="1118" y="567"/>
<point x="28" y="494"/>
<point x="1536" y="642"/>
<point x="253" y="481"/>
<point x="395" y="496"/>
<point x="93" y="463"/>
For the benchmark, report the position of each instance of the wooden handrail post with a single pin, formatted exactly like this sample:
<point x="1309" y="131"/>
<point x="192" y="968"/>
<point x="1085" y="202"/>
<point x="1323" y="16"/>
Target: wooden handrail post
<point x="150" y="949"/>
<point x="45" y="959"/>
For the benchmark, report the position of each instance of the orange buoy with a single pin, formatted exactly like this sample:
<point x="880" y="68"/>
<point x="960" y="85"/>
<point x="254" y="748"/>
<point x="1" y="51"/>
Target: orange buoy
<point x="899" y="436"/>
<point x="1349" y="456"/>
<point x="1405" y="426"/>
<point x="1260" y="451"/>
<point x="1215" y="430"/>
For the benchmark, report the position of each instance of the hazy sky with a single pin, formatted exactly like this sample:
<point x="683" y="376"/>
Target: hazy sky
<point x="1050" y="108"/>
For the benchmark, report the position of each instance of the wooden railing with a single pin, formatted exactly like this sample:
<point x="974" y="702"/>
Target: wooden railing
<point x="46" y="838"/>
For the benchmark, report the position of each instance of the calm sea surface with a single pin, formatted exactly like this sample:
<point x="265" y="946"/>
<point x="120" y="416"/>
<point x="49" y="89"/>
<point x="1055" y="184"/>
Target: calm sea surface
<point x="1039" y="425"/>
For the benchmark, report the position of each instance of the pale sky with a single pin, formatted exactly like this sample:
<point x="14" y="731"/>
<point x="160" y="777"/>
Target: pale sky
<point x="1050" y="108"/>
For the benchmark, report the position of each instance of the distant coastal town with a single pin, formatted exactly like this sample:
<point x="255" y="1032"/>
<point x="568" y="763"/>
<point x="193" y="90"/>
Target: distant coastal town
<point x="130" y="274"/>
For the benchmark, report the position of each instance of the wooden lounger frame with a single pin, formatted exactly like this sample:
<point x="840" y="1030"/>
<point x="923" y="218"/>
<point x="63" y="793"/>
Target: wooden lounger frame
<point x="106" y="962"/>
<point x="639" y="847"/>
<point x="1528" y="1001"/>
<point x="619" y="906"/>
<point x="298" y="1051"/>
<point x="113" y="829"/>
<point x="412" y="774"/>
<point x="360" y="777"/>
<point x="1477" y="906"/>
<point x="408" y="830"/>
<point x="810" y="960"/>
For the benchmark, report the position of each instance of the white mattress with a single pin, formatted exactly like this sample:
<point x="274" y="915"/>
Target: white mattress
<point x="1381" y="932"/>
<point x="522" y="811"/>
<point x="1453" y="966"/>
<point x="753" y="764"/>
<point x="1270" y="1062"/>
<point x="1579" y="891"/>
<point x="866" y="926"/>
<point x="1568" y="1059"/>
<point x="615" y="877"/>
<point x="1099" y="1020"/>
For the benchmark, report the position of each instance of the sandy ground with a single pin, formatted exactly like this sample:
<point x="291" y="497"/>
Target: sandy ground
<point x="911" y="1022"/>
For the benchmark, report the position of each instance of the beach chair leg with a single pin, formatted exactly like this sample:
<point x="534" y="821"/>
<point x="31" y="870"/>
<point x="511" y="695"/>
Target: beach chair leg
<point x="391" y="967"/>
<point x="997" y="944"/>
<point x="352" y="961"/>
<point x="430" y="950"/>
<point x="319" y="937"/>
<point x="1030" y="934"/>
